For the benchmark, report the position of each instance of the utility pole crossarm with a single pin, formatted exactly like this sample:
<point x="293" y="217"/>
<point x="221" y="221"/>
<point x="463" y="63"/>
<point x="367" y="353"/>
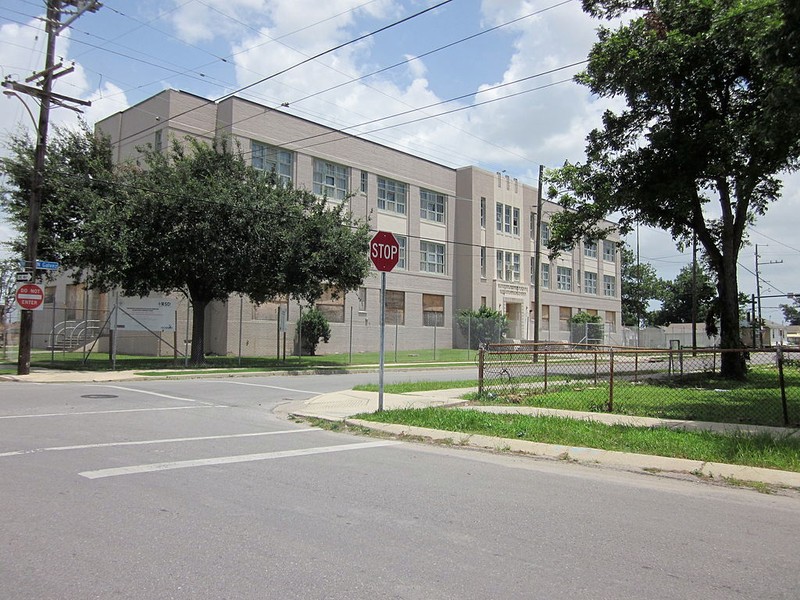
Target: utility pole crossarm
<point x="56" y="9"/>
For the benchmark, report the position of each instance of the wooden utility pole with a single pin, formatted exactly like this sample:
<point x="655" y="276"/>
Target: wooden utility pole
<point x="53" y="26"/>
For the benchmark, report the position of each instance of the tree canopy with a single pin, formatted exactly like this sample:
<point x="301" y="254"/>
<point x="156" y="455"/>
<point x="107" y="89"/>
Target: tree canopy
<point x="195" y="219"/>
<point x="710" y="122"/>
<point x="639" y="285"/>
<point x="677" y="297"/>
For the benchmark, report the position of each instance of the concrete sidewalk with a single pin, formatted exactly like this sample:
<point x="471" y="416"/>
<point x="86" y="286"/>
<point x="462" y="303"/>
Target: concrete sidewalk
<point x="342" y="406"/>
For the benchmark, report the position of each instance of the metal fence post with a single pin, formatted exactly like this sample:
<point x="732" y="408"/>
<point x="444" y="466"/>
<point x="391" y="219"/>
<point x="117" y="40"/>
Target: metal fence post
<point x="545" y="372"/>
<point x="611" y="381"/>
<point x="480" y="370"/>
<point x="782" y="381"/>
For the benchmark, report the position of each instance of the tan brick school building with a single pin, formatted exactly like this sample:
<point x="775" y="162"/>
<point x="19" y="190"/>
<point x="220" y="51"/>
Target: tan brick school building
<point x="466" y="235"/>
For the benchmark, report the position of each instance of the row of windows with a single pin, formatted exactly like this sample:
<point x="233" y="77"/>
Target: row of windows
<point x="564" y="280"/>
<point x="333" y="180"/>
<point x="589" y="246"/>
<point x="566" y="312"/>
<point x="432" y="308"/>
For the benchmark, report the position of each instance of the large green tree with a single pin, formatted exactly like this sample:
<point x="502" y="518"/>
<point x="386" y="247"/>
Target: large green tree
<point x="711" y="120"/>
<point x="198" y="219"/>
<point x="640" y="284"/>
<point x="678" y="296"/>
<point x="78" y="175"/>
<point x="791" y="312"/>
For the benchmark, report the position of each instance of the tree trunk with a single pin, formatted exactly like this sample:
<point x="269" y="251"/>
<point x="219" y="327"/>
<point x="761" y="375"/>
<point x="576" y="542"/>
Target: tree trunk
<point x="197" y="356"/>
<point x="733" y="365"/>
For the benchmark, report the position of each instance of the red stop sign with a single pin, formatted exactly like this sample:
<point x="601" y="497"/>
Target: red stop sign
<point x="384" y="251"/>
<point x="30" y="296"/>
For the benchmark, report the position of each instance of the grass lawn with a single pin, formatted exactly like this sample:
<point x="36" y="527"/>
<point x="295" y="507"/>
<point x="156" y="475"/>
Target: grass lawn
<point x="698" y="397"/>
<point x="101" y="362"/>
<point x="757" y="451"/>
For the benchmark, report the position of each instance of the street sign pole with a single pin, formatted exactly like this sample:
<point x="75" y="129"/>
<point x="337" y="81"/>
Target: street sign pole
<point x="384" y="251"/>
<point x="383" y="340"/>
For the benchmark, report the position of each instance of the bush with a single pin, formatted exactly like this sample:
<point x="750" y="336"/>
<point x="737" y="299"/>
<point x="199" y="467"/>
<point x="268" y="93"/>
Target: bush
<point x="313" y="327"/>
<point x="483" y="326"/>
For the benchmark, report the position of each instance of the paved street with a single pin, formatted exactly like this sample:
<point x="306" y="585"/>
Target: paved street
<point x="196" y="489"/>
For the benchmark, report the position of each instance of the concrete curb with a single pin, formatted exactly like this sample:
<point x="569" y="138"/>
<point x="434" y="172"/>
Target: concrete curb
<point x="624" y="460"/>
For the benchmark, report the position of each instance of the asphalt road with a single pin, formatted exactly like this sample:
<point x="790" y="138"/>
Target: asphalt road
<point x="195" y="489"/>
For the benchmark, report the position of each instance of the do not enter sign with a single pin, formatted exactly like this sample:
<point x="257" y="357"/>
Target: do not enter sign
<point x="384" y="251"/>
<point x="30" y="296"/>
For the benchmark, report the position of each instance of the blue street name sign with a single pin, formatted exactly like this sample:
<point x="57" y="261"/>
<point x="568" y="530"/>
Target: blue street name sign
<point x="46" y="265"/>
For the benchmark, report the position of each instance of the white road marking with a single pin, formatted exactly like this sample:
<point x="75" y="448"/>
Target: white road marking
<point x="226" y="460"/>
<point x="272" y="387"/>
<point x="160" y="441"/>
<point x="127" y="389"/>
<point x="108" y="412"/>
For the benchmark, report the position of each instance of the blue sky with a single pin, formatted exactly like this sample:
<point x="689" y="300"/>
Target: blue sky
<point x="128" y="51"/>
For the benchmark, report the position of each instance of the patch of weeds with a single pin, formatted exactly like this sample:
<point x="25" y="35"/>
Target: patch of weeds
<point x="759" y="486"/>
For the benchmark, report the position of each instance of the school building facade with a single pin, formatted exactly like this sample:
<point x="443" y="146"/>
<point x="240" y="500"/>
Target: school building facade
<point x="467" y="236"/>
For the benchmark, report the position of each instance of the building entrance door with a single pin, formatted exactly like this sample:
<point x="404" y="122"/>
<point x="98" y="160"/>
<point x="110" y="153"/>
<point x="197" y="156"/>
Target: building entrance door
<point x="514" y="317"/>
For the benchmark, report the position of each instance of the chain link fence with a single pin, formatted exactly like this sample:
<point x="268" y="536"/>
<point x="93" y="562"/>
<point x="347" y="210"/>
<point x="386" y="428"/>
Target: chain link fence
<point x="676" y="383"/>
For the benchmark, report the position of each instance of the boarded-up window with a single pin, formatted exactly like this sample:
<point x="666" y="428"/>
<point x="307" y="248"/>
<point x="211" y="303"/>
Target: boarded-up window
<point x="362" y="300"/>
<point x="332" y="306"/>
<point x="611" y="320"/>
<point x="267" y="311"/>
<point x="564" y="314"/>
<point x="395" y="307"/>
<point x="50" y="294"/>
<point x="75" y="302"/>
<point x="545" y="322"/>
<point x="432" y="310"/>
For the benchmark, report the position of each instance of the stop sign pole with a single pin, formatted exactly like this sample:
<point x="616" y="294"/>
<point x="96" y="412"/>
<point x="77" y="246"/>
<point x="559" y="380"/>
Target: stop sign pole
<point x="384" y="251"/>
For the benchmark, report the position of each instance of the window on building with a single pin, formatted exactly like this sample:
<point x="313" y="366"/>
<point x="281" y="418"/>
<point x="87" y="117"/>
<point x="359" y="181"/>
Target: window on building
<point x="506" y="218"/>
<point x="331" y="304"/>
<point x="395" y="307"/>
<point x="564" y="279"/>
<point x="431" y="206"/>
<point x="364" y="182"/>
<point x="483" y="300"/>
<point x="499" y="216"/>
<point x="545" y="320"/>
<point x="431" y="257"/>
<point x="362" y="300"/>
<point x="483" y="212"/>
<point x="432" y="310"/>
<point x="545" y="233"/>
<point x="483" y="262"/>
<point x="271" y="159"/>
<point x="564" y="314"/>
<point x="402" y="241"/>
<point x="532" y="230"/>
<point x="610" y="321"/>
<point x="590" y="248"/>
<point x="509" y="266"/>
<point x="268" y="311"/>
<point x="609" y="251"/>
<point x="158" y="145"/>
<point x="546" y="275"/>
<point x="609" y="285"/>
<point x="515" y="222"/>
<point x="330" y="180"/>
<point x="589" y="282"/>
<point x="392" y="195"/>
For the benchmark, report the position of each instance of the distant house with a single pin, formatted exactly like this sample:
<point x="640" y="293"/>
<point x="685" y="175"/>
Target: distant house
<point x="770" y="334"/>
